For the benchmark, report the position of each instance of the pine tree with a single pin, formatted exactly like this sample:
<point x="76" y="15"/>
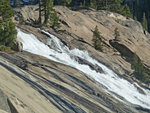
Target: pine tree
<point x="111" y="5"/>
<point x="144" y="22"/>
<point x="139" y="70"/>
<point x="16" y="3"/>
<point x="116" y="34"/>
<point x="45" y="6"/>
<point x="7" y="27"/>
<point x="64" y="2"/>
<point x="46" y="9"/>
<point x="40" y="11"/>
<point x="48" y="6"/>
<point x="97" y="39"/>
<point x="69" y="1"/>
<point x="94" y="4"/>
<point x="126" y="11"/>
<point x="54" y="20"/>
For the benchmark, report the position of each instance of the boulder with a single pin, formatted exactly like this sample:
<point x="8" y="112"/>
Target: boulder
<point x="18" y="46"/>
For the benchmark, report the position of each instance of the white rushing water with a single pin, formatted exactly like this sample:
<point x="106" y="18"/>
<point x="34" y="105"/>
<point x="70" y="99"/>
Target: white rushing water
<point x="60" y="53"/>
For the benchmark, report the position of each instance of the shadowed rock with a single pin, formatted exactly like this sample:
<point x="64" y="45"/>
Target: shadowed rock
<point x="92" y="66"/>
<point x="18" y="46"/>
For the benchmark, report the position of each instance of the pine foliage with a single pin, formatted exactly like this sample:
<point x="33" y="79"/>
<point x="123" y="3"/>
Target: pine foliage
<point x="46" y="9"/>
<point x="54" y="20"/>
<point x="7" y="27"/>
<point x="97" y="39"/>
<point x="116" y="34"/>
<point x="144" y="22"/>
<point x="16" y="3"/>
<point x="110" y="5"/>
<point x="63" y="2"/>
<point x="140" y="71"/>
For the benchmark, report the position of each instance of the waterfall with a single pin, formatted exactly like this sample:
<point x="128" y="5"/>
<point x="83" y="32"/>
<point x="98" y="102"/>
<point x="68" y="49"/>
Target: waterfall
<point x="113" y="84"/>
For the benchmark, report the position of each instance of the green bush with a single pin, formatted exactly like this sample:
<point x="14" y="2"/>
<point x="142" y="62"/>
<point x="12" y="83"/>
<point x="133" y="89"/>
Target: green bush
<point x="4" y="48"/>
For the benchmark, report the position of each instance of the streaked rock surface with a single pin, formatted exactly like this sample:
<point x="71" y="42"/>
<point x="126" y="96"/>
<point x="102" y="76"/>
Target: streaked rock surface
<point x="35" y="84"/>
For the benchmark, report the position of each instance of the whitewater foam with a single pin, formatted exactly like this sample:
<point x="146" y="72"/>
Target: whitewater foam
<point x="112" y="82"/>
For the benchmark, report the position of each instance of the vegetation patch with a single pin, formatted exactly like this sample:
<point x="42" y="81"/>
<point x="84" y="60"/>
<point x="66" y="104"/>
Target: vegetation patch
<point x="8" y="30"/>
<point x="97" y="40"/>
<point x="4" y="48"/>
<point x="140" y="72"/>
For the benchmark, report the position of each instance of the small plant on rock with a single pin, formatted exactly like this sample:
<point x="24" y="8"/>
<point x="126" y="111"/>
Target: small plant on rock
<point x="116" y="34"/>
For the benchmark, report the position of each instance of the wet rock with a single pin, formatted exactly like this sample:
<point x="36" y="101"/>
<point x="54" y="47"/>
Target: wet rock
<point x="139" y="89"/>
<point x="142" y="109"/>
<point x="92" y="66"/>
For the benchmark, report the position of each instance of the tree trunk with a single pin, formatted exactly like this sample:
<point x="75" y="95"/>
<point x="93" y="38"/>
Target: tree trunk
<point x="40" y="18"/>
<point x="45" y="13"/>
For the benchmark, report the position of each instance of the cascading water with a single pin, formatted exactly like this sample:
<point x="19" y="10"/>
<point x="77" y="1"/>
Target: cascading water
<point x="60" y="53"/>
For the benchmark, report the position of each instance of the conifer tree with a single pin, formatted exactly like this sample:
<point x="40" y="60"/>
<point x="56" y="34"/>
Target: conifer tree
<point x="144" y="22"/>
<point x="45" y="6"/>
<point x="139" y="70"/>
<point x="48" y="6"/>
<point x="40" y="12"/>
<point x="97" y="39"/>
<point x="116" y="34"/>
<point x="46" y="9"/>
<point x="111" y="5"/>
<point x="7" y="27"/>
<point x="16" y="3"/>
<point x="54" y="20"/>
<point x="126" y="11"/>
<point x="64" y="2"/>
<point x="94" y="4"/>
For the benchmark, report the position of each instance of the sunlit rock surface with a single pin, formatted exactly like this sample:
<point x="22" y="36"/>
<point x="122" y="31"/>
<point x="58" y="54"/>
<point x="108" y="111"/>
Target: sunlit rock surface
<point x="36" y="84"/>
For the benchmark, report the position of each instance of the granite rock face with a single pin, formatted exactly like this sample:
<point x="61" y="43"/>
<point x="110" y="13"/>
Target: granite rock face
<point x="81" y="23"/>
<point x="77" y="32"/>
<point x="45" y="86"/>
<point x="34" y="84"/>
<point x="4" y="107"/>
